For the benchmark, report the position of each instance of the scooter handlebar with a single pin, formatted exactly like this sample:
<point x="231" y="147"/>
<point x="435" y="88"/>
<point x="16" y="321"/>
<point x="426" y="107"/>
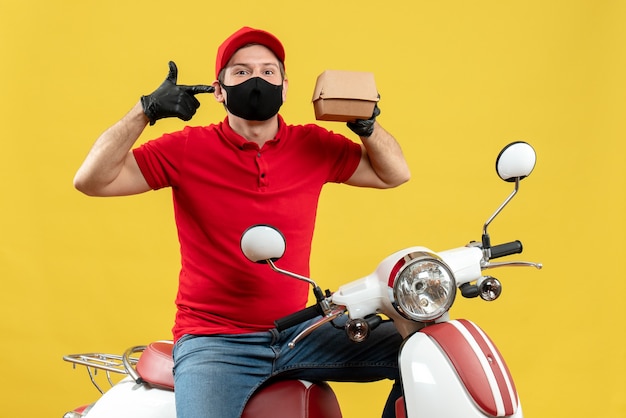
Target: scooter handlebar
<point x="298" y="317"/>
<point x="501" y="250"/>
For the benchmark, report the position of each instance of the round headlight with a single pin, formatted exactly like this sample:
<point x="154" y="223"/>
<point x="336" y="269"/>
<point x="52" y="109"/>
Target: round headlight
<point x="423" y="288"/>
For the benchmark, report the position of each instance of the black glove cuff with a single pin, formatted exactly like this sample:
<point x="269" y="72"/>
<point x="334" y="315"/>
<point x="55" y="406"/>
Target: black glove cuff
<point x="362" y="127"/>
<point x="365" y="127"/>
<point x="149" y="109"/>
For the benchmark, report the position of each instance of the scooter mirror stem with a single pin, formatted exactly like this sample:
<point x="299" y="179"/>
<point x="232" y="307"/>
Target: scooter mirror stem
<point x="317" y="291"/>
<point x="290" y="274"/>
<point x="497" y="212"/>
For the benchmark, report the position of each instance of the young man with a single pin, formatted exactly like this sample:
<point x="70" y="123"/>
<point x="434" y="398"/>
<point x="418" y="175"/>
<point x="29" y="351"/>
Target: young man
<point x="251" y="168"/>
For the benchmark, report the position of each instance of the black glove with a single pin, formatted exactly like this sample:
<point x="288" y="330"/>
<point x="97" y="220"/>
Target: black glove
<point x="171" y="99"/>
<point x="365" y="127"/>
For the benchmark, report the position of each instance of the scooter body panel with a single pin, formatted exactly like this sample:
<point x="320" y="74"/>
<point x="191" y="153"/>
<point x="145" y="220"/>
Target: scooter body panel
<point x="128" y="399"/>
<point x="452" y="369"/>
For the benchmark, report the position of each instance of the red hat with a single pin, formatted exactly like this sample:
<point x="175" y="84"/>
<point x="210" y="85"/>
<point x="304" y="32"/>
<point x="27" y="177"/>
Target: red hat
<point x="245" y="36"/>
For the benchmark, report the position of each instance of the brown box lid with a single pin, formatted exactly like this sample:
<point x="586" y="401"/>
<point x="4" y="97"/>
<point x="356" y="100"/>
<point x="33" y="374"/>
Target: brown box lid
<point x="337" y="84"/>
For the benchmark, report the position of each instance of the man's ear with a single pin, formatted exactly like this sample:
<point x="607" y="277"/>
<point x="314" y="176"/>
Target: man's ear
<point x="219" y="92"/>
<point x="285" y="86"/>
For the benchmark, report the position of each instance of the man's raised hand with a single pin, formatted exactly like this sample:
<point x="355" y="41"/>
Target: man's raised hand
<point x="173" y="100"/>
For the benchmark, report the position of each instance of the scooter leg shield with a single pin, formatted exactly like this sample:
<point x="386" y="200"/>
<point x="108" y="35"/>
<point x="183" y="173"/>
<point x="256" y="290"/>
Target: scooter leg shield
<point x="452" y="369"/>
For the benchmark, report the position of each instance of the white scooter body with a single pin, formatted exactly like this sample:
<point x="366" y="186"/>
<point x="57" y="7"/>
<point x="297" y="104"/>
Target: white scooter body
<point x="128" y="399"/>
<point x="450" y="368"/>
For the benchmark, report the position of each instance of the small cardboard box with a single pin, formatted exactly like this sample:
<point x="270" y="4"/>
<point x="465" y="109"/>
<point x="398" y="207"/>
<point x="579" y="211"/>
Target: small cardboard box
<point x="344" y="95"/>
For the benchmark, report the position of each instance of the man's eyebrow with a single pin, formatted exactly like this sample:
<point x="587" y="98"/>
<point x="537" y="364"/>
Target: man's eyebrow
<point x="250" y="64"/>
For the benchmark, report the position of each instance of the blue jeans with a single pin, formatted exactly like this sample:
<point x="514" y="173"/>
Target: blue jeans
<point x="216" y="375"/>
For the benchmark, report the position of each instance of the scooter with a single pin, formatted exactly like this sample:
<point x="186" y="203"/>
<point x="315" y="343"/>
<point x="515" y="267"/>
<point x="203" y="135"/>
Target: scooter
<point x="448" y="367"/>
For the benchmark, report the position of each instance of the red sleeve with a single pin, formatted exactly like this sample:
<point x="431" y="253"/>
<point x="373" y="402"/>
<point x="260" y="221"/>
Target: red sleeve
<point x="160" y="159"/>
<point x="351" y="159"/>
<point x="342" y="154"/>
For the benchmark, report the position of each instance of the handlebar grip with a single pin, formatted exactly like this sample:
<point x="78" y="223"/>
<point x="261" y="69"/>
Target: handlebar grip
<point x="501" y="250"/>
<point x="297" y="317"/>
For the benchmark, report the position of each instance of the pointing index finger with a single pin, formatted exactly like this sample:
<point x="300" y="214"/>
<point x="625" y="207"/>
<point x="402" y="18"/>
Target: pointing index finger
<point x="199" y="88"/>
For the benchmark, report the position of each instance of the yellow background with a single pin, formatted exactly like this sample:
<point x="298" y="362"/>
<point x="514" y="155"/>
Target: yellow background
<point x="458" y="80"/>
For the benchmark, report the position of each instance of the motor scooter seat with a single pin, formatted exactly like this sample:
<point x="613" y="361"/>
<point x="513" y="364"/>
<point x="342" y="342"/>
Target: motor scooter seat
<point x="156" y="365"/>
<point x="294" y="398"/>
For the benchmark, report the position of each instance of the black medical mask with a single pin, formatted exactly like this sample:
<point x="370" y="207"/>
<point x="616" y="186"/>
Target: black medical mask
<point x="254" y="99"/>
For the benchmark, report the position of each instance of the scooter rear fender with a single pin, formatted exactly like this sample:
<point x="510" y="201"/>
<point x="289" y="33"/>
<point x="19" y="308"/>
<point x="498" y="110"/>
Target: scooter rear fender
<point x="128" y="399"/>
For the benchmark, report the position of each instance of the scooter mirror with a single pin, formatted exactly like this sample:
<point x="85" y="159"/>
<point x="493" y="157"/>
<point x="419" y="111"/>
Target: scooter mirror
<point x="516" y="161"/>
<point x="260" y="243"/>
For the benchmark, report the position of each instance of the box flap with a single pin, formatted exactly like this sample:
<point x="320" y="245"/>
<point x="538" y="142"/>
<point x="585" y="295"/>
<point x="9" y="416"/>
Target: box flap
<point x="336" y="84"/>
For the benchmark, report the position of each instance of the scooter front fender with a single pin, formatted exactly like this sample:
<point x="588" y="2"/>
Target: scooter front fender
<point x="128" y="399"/>
<point x="453" y="369"/>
